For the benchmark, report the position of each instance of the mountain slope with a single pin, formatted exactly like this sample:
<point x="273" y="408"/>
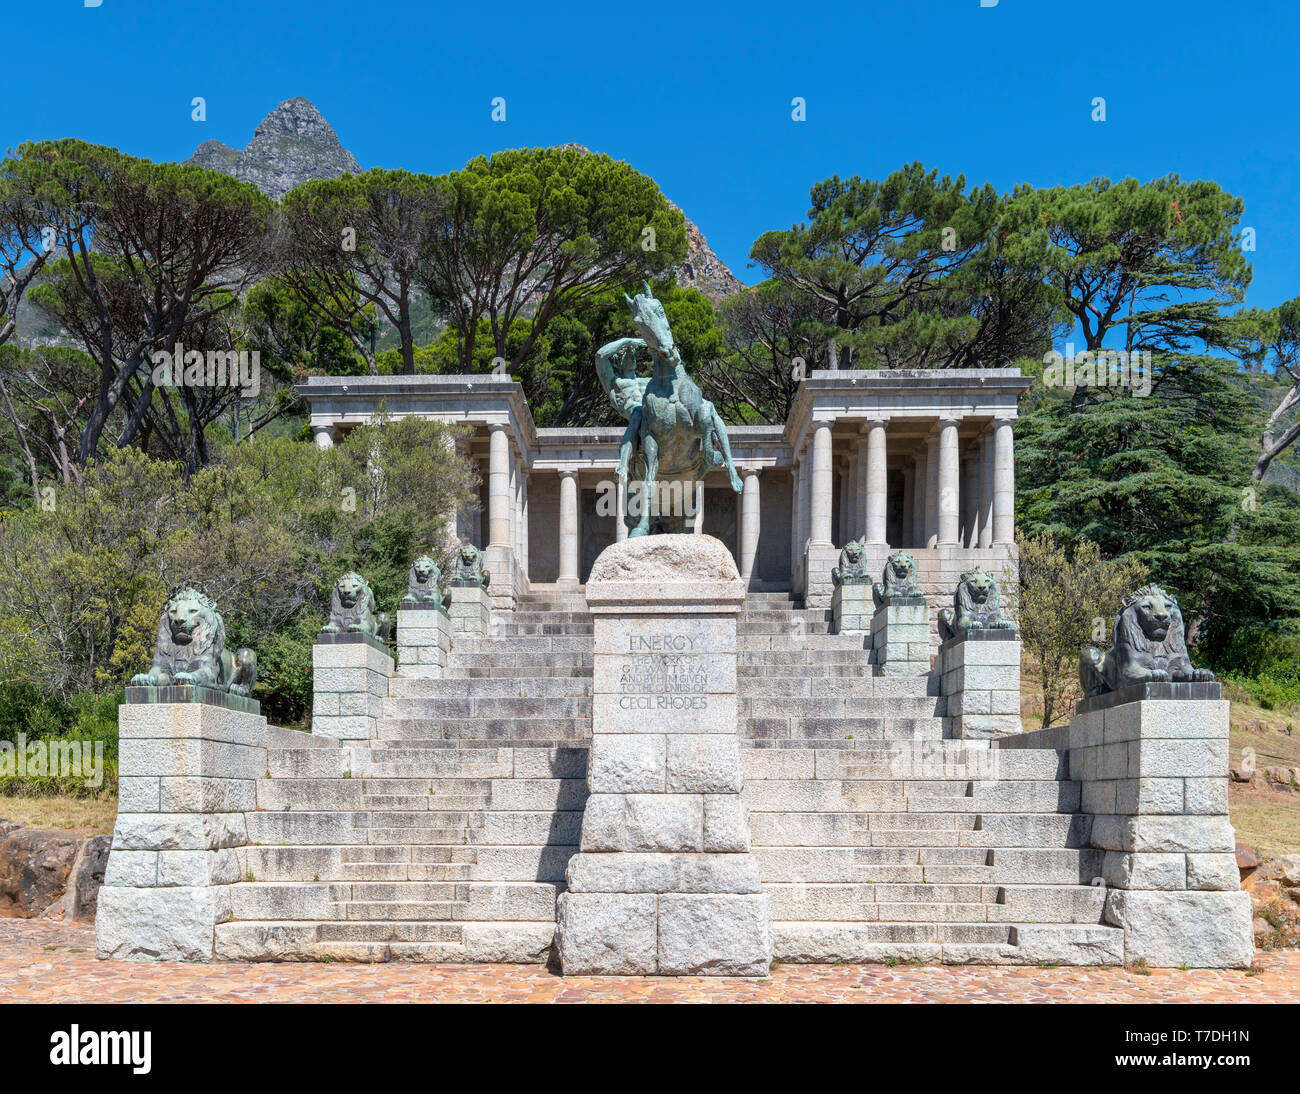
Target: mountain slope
<point x="292" y="145"/>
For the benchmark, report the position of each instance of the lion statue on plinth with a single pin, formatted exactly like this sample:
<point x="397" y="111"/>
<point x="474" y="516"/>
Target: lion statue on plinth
<point x="424" y="586"/>
<point x="899" y="579"/>
<point x="852" y="569"/>
<point x="191" y="649"/>
<point x="469" y="568"/>
<point x="352" y="609"/>
<point x="976" y="605"/>
<point x="1148" y="646"/>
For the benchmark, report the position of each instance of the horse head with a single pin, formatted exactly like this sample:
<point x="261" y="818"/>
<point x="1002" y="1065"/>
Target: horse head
<point x="651" y="322"/>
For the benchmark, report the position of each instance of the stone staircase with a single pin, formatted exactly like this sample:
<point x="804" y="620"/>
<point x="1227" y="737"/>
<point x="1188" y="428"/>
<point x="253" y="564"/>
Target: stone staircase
<point x="802" y="687"/>
<point x="926" y="850"/>
<point x="446" y="838"/>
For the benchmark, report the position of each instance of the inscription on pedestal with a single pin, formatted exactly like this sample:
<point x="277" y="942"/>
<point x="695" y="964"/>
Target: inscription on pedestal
<point x="664" y="672"/>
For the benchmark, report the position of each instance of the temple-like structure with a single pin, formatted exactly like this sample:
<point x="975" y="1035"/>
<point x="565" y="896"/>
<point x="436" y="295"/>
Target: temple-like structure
<point x="920" y="460"/>
<point x="686" y="754"/>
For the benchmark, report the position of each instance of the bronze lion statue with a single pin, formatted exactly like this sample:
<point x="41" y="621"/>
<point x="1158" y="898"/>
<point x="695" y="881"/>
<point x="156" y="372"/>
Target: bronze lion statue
<point x="469" y="568"/>
<point x="424" y="586"/>
<point x="976" y="605"/>
<point x="352" y="609"/>
<point x="191" y="649"/>
<point x="852" y="569"/>
<point x="899" y="578"/>
<point x="1147" y="646"/>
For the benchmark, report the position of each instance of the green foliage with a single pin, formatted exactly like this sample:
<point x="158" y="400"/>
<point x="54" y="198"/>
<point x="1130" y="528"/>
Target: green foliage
<point x="153" y="254"/>
<point x="27" y="715"/>
<point x="536" y="232"/>
<point x="904" y="273"/>
<point x="265" y="529"/>
<point x="1165" y="481"/>
<point x="1157" y="262"/>
<point x="1064" y="596"/>
<point x="285" y="329"/>
<point x="353" y="248"/>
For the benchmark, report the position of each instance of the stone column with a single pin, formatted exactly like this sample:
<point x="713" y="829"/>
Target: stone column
<point x="523" y="522"/>
<point x="750" y="521"/>
<point x="822" y="489"/>
<point x="805" y="499"/>
<point x="620" y="510"/>
<point x="920" y="506"/>
<point x="909" y="503"/>
<point x="498" y="487"/>
<point x="949" y="483"/>
<point x="324" y="435"/>
<point x="850" y="516"/>
<point x="796" y="544"/>
<point x="877" y="477"/>
<point x="861" y="489"/>
<point x="970" y="499"/>
<point x="451" y="517"/>
<point x="1004" y="484"/>
<point x="513" y="504"/>
<point x="463" y="528"/>
<point x="931" y="490"/>
<point x="569" y="527"/>
<point x="986" y="490"/>
<point x="664" y="881"/>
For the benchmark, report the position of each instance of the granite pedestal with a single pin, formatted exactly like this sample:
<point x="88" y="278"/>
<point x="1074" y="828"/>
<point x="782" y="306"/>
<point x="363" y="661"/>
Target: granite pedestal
<point x="664" y="880"/>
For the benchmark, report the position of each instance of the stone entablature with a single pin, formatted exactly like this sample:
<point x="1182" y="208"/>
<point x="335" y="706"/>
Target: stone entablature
<point x="917" y="459"/>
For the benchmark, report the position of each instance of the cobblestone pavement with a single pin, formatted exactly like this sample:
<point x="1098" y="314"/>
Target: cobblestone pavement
<point x="50" y="962"/>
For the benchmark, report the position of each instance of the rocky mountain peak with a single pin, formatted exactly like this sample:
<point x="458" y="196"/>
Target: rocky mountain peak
<point x="293" y="144"/>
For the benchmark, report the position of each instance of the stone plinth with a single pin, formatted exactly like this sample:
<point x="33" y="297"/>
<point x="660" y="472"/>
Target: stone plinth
<point x="349" y="685"/>
<point x="470" y="610"/>
<point x="664" y="881"/>
<point x="423" y="642"/>
<point x="188" y="772"/>
<point x="188" y="775"/>
<point x="979" y="675"/>
<point x="818" y="561"/>
<point x="507" y="578"/>
<point x="852" y="608"/>
<point x="190" y="693"/>
<point x="1154" y="775"/>
<point x="900" y="637"/>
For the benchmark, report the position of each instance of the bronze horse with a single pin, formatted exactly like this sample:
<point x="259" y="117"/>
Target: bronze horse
<point x="674" y="434"/>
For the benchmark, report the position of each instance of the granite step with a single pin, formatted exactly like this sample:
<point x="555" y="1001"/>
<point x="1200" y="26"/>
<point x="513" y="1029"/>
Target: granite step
<point x="954" y="943"/>
<point x="536" y="732"/>
<point x="536" y="687"/>
<point x="424" y="941"/>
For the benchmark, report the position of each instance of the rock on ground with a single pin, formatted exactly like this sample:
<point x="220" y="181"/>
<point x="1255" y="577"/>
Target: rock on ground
<point x="35" y="864"/>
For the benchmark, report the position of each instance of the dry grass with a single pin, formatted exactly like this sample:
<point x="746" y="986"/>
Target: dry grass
<point x="90" y="817"/>
<point x="1266" y="820"/>
<point x="1266" y="732"/>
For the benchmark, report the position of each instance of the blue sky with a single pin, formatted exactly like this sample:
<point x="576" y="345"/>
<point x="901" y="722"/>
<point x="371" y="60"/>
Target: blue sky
<point x="699" y="95"/>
